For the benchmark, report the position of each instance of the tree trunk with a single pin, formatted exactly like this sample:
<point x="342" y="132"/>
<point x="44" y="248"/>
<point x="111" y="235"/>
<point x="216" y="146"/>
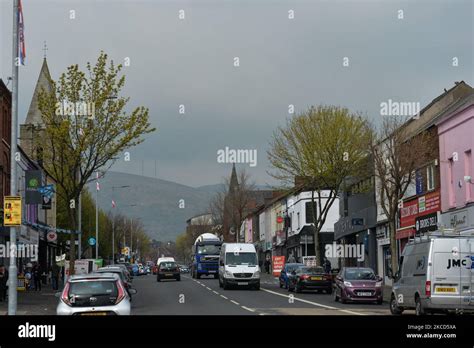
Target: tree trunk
<point x="72" y="239"/>
<point x="317" y="250"/>
<point x="393" y="244"/>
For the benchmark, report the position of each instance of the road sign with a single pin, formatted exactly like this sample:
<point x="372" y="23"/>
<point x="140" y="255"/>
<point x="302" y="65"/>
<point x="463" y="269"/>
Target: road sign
<point x="52" y="236"/>
<point x="91" y="241"/>
<point x="12" y="211"/>
<point x="126" y="251"/>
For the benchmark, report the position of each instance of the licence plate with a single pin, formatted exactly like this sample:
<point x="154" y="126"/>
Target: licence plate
<point x="316" y="278"/>
<point x="365" y="294"/>
<point x="168" y="274"/>
<point x="94" y="313"/>
<point x="242" y="283"/>
<point x="445" y="289"/>
<point x="211" y="271"/>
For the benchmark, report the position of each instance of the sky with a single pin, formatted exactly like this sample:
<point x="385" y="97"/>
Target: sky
<point x="282" y="61"/>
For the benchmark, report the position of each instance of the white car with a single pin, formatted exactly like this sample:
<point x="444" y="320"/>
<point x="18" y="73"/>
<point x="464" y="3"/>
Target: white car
<point x="94" y="294"/>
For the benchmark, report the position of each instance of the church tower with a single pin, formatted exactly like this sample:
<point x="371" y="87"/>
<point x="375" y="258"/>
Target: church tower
<point x="32" y="131"/>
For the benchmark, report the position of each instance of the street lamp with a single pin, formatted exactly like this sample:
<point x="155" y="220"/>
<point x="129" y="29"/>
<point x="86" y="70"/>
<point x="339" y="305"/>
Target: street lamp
<point x="113" y="220"/>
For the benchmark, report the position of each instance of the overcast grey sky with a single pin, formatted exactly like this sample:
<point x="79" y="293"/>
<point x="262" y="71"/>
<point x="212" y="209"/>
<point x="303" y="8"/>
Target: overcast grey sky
<point x="282" y="62"/>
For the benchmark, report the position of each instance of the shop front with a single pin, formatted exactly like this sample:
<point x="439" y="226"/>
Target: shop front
<point x="418" y="216"/>
<point x="460" y="220"/>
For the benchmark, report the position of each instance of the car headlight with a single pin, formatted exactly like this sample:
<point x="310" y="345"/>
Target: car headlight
<point x="256" y="274"/>
<point x="348" y="284"/>
<point x="378" y="284"/>
<point x="228" y="274"/>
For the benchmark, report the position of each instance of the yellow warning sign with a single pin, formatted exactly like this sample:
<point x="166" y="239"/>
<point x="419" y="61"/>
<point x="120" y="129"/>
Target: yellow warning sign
<point x="12" y="211"/>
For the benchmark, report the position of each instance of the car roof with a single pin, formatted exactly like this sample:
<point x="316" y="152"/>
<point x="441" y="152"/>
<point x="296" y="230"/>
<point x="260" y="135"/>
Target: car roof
<point x="110" y="269"/>
<point x="94" y="275"/>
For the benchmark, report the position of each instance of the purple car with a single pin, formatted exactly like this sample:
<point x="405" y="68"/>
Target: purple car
<point x="358" y="284"/>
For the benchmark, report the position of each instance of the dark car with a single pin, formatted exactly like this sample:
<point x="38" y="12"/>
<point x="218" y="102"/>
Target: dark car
<point x="168" y="270"/>
<point x="358" y="284"/>
<point x="287" y="269"/>
<point x="309" y="278"/>
<point x="121" y="273"/>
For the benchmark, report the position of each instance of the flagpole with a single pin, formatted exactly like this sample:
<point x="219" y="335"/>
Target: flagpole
<point x="97" y="217"/>
<point x="13" y="271"/>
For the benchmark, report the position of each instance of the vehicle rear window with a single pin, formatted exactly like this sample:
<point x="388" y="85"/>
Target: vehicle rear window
<point x="94" y="288"/>
<point x="311" y="270"/>
<point x="359" y="274"/>
<point x="167" y="265"/>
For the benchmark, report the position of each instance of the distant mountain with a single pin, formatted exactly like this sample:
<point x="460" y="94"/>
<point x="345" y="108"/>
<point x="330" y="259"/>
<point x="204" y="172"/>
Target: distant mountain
<point x="157" y="201"/>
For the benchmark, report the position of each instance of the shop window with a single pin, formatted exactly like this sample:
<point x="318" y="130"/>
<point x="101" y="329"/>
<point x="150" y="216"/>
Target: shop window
<point x="430" y="178"/>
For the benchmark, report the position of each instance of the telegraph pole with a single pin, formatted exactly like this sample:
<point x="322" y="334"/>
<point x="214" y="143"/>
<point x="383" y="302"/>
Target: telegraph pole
<point x="13" y="271"/>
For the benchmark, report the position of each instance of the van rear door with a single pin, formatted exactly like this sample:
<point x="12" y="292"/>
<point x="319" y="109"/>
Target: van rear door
<point x="467" y="268"/>
<point x="446" y="276"/>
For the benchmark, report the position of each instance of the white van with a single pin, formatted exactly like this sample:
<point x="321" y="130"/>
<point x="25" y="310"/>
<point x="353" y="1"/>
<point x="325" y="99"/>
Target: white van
<point x="435" y="275"/>
<point x="238" y="266"/>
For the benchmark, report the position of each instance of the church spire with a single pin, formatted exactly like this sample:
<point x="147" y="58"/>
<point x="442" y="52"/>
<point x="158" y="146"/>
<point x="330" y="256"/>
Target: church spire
<point x="234" y="183"/>
<point x="34" y="114"/>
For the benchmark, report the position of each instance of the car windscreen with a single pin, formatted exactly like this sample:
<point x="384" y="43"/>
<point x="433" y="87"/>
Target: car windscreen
<point x="291" y="268"/>
<point x="93" y="288"/>
<point x="359" y="274"/>
<point x="208" y="249"/>
<point x="239" y="258"/>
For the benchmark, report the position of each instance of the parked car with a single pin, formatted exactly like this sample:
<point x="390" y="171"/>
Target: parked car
<point x="168" y="270"/>
<point x="435" y="275"/>
<point x="123" y="277"/>
<point x="287" y="269"/>
<point x="155" y="270"/>
<point x="94" y="294"/>
<point x="358" y="284"/>
<point x="125" y="270"/>
<point x="309" y="278"/>
<point x="135" y="269"/>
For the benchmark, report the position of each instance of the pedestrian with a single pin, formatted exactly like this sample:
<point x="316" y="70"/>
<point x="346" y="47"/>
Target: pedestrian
<point x="36" y="274"/>
<point x="55" y="276"/>
<point x="3" y="283"/>
<point x="291" y="259"/>
<point x="267" y="266"/>
<point x="327" y="265"/>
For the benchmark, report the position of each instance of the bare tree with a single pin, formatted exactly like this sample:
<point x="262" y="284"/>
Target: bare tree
<point x="397" y="153"/>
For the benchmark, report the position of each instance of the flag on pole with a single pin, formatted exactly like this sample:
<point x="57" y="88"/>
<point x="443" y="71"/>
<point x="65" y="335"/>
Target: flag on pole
<point x="97" y="178"/>
<point x="21" y="34"/>
<point x="113" y="203"/>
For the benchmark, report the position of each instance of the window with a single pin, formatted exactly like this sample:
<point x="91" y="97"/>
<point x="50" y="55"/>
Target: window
<point x="430" y="179"/>
<point x="467" y="172"/>
<point x="309" y="212"/>
<point x="452" y="202"/>
<point x="298" y="220"/>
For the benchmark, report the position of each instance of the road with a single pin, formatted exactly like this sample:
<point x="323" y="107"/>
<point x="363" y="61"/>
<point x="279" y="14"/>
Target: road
<point x="204" y="297"/>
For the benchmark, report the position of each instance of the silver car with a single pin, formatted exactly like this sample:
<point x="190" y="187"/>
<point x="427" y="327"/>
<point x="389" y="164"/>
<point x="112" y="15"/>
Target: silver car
<point x="94" y="294"/>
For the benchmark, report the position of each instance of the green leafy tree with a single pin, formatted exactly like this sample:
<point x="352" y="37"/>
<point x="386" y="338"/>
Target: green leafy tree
<point x="87" y="137"/>
<point x="321" y="147"/>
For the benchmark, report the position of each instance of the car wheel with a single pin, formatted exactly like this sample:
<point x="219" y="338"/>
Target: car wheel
<point x="216" y="276"/>
<point x="158" y="279"/>
<point x="329" y="291"/>
<point x="336" y="298"/>
<point x="289" y="288"/>
<point x="379" y="302"/>
<point x="419" y="310"/>
<point x="198" y="276"/>
<point x="220" y="282"/>
<point x="225" y="285"/>
<point x="257" y="286"/>
<point x="281" y="285"/>
<point x="298" y="288"/>
<point x="178" y="279"/>
<point x="394" y="309"/>
<point x="343" y="299"/>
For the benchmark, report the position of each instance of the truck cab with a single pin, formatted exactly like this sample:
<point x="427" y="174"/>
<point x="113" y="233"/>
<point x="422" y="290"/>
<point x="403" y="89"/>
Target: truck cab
<point x="205" y="256"/>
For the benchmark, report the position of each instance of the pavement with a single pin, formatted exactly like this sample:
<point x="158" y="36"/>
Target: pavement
<point x="34" y="302"/>
<point x="205" y="297"/>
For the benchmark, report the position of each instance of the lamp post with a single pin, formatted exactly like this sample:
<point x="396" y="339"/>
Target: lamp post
<point x="113" y="221"/>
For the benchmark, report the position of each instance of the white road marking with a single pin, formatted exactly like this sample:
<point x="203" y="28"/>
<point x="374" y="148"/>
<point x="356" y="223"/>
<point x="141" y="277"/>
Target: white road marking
<point x="224" y="297"/>
<point x="249" y="309"/>
<point x="235" y="302"/>
<point x="314" y="303"/>
<point x="202" y="284"/>
<point x="215" y="292"/>
<point x="208" y="288"/>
